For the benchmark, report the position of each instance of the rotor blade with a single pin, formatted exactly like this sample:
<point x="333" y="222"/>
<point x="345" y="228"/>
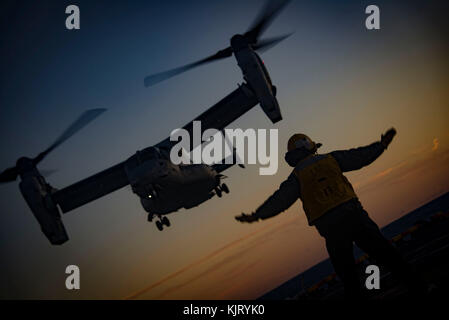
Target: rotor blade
<point x="8" y="175"/>
<point x="158" y="77"/>
<point x="266" y="16"/>
<point x="80" y="123"/>
<point x="266" y="44"/>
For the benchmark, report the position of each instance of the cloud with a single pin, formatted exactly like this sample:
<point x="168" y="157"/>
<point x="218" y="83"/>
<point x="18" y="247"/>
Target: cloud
<point x="411" y="166"/>
<point x="380" y="175"/>
<point x="208" y="258"/>
<point x="425" y="148"/>
<point x="383" y="173"/>
<point x="436" y="143"/>
<point x="423" y="166"/>
<point x="420" y="150"/>
<point x="408" y="171"/>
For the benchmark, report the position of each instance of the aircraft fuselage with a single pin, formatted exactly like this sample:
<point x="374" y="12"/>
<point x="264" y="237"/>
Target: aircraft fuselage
<point x="164" y="188"/>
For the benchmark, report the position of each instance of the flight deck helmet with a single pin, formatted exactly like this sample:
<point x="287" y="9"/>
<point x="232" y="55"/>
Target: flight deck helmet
<point x="300" y="140"/>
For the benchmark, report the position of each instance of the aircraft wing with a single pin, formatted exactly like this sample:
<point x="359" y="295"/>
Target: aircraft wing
<point x="91" y="188"/>
<point x="98" y="185"/>
<point x="224" y="112"/>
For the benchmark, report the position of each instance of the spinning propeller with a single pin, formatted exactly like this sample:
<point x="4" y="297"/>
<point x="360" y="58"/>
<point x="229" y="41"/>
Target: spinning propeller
<point x="252" y="37"/>
<point x="11" y="174"/>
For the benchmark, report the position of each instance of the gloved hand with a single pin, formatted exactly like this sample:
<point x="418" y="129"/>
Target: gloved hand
<point x="247" y="217"/>
<point x="387" y="137"/>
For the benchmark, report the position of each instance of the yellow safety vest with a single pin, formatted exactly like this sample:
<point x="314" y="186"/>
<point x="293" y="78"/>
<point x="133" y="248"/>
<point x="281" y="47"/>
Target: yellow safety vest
<point x="322" y="186"/>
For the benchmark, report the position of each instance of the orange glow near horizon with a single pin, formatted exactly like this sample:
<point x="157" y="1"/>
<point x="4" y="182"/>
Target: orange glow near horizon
<point x="250" y="248"/>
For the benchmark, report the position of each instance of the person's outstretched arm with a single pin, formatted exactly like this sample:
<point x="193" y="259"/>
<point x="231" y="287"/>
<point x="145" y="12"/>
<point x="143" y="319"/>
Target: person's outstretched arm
<point x="357" y="158"/>
<point x="280" y="201"/>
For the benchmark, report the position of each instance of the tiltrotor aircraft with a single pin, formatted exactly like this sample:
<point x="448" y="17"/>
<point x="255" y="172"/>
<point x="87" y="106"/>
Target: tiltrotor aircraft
<point x="162" y="187"/>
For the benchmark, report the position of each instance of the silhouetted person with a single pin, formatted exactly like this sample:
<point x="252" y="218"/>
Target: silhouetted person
<point x="331" y="205"/>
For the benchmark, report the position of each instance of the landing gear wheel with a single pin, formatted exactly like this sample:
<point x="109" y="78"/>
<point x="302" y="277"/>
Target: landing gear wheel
<point x="225" y="188"/>
<point x="159" y="225"/>
<point x="218" y="192"/>
<point x="165" y="221"/>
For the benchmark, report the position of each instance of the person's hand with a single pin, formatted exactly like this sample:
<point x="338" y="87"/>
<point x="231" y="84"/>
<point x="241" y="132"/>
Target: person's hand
<point x="387" y="137"/>
<point x="247" y="217"/>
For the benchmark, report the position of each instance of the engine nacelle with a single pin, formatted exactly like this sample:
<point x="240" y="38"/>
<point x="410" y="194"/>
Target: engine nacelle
<point x="37" y="194"/>
<point x="256" y="74"/>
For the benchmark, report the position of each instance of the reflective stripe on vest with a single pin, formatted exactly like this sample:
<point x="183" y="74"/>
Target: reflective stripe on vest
<point x="322" y="185"/>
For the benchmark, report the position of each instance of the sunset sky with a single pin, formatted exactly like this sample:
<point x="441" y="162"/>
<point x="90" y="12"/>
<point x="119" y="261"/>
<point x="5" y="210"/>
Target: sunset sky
<point x="337" y="82"/>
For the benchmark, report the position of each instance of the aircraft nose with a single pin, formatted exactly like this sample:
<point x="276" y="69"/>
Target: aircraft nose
<point x="145" y="172"/>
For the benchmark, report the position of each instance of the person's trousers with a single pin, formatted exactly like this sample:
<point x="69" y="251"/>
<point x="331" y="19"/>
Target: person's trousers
<point x="348" y="224"/>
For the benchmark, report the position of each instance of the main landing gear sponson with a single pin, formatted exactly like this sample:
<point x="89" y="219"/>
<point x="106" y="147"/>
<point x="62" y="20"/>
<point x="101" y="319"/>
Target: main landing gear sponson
<point x="220" y="189"/>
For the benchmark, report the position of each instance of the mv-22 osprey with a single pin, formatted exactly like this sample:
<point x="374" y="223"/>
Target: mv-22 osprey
<point x="162" y="187"/>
